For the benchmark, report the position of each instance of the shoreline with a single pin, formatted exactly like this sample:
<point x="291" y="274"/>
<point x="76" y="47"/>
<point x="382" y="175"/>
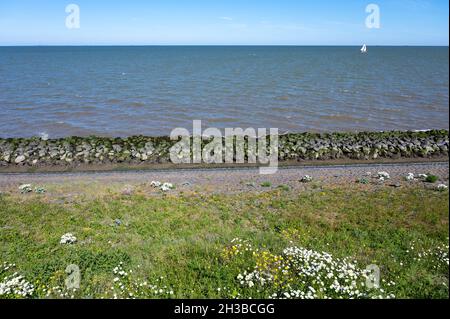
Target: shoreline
<point x="146" y="153"/>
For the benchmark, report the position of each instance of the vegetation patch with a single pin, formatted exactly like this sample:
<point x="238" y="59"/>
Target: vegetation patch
<point x="274" y="244"/>
<point x="431" y="179"/>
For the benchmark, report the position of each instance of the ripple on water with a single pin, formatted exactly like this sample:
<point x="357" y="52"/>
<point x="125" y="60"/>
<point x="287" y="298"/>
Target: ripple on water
<point x="113" y="101"/>
<point x="343" y="118"/>
<point x="296" y="88"/>
<point x="137" y="104"/>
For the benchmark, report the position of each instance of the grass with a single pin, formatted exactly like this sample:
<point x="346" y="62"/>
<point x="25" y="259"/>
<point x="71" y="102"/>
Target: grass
<point x="181" y="246"/>
<point x="431" y="179"/>
<point x="285" y="188"/>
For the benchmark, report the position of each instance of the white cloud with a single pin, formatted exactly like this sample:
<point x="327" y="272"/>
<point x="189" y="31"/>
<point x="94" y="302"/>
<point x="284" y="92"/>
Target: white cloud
<point x="226" y="18"/>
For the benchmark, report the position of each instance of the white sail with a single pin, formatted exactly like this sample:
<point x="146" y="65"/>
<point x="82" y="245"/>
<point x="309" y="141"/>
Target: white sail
<point x="364" y="49"/>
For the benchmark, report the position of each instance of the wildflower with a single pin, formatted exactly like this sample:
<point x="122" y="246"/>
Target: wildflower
<point x="410" y="177"/>
<point x="15" y="284"/>
<point x="162" y="186"/>
<point x="383" y="176"/>
<point x="25" y="188"/>
<point x="166" y="187"/>
<point x="306" y="179"/>
<point x="155" y="184"/>
<point x="319" y="273"/>
<point x="68" y="239"/>
<point x="442" y="187"/>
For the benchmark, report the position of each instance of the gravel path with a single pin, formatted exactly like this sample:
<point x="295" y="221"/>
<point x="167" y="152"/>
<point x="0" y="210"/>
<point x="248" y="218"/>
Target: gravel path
<point x="220" y="180"/>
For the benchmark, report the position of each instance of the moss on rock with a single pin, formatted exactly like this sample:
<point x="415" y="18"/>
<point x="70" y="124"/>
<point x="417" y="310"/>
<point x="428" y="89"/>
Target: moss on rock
<point x="73" y="150"/>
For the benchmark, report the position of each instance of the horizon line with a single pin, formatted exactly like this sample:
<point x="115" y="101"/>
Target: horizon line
<point x="222" y="45"/>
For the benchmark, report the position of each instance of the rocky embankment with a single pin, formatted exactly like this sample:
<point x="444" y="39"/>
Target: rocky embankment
<point x="74" y="151"/>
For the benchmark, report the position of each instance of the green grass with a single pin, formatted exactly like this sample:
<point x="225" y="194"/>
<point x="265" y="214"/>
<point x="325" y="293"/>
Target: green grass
<point x="181" y="243"/>
<point x="431" y="179"/>
<point x="283" y="187"/>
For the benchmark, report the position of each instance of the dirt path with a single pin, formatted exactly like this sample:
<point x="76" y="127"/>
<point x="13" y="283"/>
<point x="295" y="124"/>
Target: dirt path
<point x="218" y="180"/>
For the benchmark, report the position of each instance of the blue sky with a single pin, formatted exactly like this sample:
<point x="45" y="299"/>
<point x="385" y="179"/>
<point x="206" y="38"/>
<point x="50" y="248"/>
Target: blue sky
<point x="286" y="22"/>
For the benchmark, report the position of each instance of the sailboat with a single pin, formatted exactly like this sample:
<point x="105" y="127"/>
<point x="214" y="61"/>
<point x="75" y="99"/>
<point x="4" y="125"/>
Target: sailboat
<point x="364" y="49"/>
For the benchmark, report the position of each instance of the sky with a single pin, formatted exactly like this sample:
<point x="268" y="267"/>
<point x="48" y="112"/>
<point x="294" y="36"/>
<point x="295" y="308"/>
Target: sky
<point x="224" y="22"/>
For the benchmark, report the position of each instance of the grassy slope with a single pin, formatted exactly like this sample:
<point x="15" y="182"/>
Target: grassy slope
<point x="182" y="237"/>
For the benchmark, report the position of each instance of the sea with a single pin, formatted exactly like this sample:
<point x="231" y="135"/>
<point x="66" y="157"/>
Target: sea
<point x="151" y="90"/>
